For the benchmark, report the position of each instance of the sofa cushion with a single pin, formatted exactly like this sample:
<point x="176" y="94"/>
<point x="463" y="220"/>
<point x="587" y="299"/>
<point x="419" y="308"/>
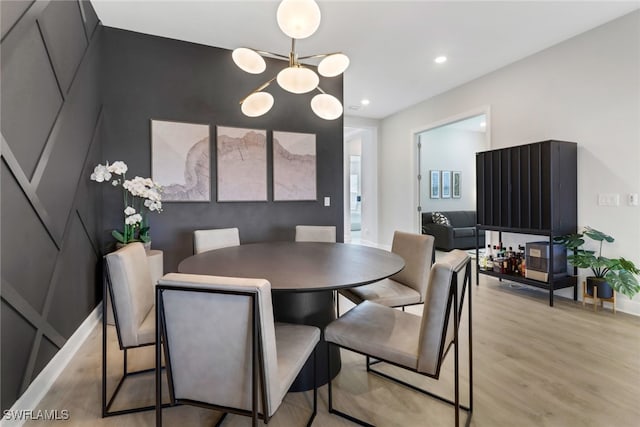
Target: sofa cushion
<point x="439" y="218"/>
<point x="461" y="218"/>
<point x="464" y="232"/>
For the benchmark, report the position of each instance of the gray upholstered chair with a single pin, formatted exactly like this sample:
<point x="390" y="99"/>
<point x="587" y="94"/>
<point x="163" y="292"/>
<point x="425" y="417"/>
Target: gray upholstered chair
<point x="316" y="233"/>
<point x="418" y="344"/>
<point x="208" y="240"/>
<point x="128" y="283"/>
<point x="223" y="350"/>
<point x="406" y="287"/>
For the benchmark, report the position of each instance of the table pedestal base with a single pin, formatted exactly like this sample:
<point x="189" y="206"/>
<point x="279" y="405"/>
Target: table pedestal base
<point x="309" y="308"/>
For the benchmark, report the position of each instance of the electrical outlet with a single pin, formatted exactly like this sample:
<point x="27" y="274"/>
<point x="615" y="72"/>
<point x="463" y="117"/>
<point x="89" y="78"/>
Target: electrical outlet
<point x="609" y="199"/>
<point x="633" y="199"/>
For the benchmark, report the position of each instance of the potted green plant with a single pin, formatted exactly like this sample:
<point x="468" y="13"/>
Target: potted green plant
<point x="609" y="274"/>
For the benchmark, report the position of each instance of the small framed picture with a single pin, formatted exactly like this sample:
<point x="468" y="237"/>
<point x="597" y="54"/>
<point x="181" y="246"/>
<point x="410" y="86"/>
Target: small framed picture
<point x="445" y="193"/>
<point x="456" y="184"/>
<point x="435" y="184"/>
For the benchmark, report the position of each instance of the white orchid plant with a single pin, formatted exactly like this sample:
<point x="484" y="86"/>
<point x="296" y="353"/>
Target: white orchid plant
<point x="140" y="196"/>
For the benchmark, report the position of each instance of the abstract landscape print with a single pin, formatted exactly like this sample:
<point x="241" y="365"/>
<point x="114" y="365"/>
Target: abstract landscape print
<point x="294" y="166"/>
<point x="242" y="164"/>
<point x="180" y="160"/>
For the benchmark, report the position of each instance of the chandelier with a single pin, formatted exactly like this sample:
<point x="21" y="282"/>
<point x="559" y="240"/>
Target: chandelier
<point x="298" y="19"/>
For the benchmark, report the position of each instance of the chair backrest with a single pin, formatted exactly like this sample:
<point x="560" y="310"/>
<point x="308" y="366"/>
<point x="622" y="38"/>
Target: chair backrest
<point x="451" y="273"/>
<point x="417" y="252"/>
<point x="131" y="290"/>
<point x="208" y="332"/>
<point x="315" y="233"/>
<point x="208" y="240"/>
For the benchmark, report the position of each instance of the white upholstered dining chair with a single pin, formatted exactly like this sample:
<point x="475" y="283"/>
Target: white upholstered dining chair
<point x="208" y="240"/>
<point x="223" y="350"/>
<point x="128" y="282"/>
<point x="418" y="344"/>
<point x="407" y="287"/>
<point x="316" y="233"/>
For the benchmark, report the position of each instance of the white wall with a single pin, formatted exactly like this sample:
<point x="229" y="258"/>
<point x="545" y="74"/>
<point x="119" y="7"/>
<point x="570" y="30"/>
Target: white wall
<point x="586" y="90"/>
<point x="445" y="148"/>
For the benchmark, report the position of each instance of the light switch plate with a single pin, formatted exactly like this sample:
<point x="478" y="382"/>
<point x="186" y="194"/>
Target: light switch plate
<point x="608" y="199"/>
<point x="327" y="201"/>
<point x="633" y="199"/>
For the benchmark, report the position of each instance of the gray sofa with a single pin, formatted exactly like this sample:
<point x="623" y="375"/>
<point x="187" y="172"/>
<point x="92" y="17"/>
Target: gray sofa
<point x="460" y="235"/>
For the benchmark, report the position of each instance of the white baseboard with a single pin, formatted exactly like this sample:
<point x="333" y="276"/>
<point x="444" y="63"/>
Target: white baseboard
<point x="43" y="382"/>
<point x="373" y="244"/>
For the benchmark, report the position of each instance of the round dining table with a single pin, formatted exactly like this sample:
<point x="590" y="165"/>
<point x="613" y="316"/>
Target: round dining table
<point x="303" y="276"/>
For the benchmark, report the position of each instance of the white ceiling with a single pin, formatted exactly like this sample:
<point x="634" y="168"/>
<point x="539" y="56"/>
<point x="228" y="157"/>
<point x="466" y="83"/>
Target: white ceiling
<point x="391" y="44"/>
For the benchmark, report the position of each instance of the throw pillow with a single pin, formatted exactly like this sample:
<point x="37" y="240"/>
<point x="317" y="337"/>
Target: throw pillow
<point x="439" y="218"/>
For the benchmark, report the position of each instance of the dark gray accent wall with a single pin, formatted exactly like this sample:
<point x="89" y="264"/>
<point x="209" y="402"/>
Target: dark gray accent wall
<point x="50" y="214"/>
<point x="148" y="77"/>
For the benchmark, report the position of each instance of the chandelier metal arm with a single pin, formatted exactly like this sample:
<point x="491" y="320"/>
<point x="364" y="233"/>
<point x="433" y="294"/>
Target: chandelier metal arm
<point x="320" y="55"/>
<point x="258" y="89"/>
<point x="277" y="55"/>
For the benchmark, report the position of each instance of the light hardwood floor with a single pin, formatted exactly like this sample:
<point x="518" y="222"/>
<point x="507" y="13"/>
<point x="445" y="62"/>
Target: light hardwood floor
<point x="533" y="366"/>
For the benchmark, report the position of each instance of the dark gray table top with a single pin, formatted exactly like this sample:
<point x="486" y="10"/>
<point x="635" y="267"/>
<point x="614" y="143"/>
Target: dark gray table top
<point x="298" y="266"/>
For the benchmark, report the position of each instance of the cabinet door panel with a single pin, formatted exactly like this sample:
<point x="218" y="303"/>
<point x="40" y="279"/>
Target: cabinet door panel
<point x="514" y="187"/>
<point x="525" y="187"/>
<point x="505" y="188"/>
<point x="535" y="167"/>
<point x="545" y="184"/>
<point x="497" y="187"/>
<point x="480" y="189"/>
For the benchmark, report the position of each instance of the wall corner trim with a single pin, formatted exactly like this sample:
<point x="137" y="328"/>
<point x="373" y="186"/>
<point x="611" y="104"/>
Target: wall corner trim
<point x="40" y="386"/>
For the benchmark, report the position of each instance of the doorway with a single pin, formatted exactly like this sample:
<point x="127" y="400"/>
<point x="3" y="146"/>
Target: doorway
<point x="446" y="152"/>
<point x="360" y="185"/>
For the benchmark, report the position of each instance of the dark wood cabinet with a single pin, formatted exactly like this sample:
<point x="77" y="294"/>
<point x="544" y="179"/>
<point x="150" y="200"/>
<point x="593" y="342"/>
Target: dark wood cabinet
<point x="529" y="189"/>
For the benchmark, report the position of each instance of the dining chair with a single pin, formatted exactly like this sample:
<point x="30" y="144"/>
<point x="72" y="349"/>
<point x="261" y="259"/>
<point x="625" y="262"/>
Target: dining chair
<point x="208" y="240"/>
<point x="316" y="233"/>
<point x="407" y="287"/>
<point x="127" y="280"/>
<point x="223" y="350"/>
<point x="415" y="343"/>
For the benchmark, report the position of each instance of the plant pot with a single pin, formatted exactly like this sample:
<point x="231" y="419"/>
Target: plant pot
<point x="604" y="289"/>
<point x="147" y="245"/>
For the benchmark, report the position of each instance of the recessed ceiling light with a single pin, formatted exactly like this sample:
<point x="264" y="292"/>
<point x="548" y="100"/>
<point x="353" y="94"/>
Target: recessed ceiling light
<point x="483" y="124"/>
<point x="365" y="102"/>
<point x="440" y="59"/>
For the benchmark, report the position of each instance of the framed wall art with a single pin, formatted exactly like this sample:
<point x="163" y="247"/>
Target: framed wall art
<point x="294" y="166"/>
<point x="180" y="160"/>
<point x="241" y="164"/>
<point x="445" y="192"/>
<point x="455" y="187"/>
<point x="435" y="184"/>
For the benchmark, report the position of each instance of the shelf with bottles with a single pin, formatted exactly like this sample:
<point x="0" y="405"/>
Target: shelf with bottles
<point x="505" y="263"/>
<point x="503" y="260"/>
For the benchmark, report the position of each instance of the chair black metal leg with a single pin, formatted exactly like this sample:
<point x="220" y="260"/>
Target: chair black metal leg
<point x="329" y="383"/>
<point x="456" y="367"/>
<point x="219" y="423"/>
<point x="158" y="365"/>
<point x="332" y="410"/>
<point x="315" y="389"/>
<point x="470" y="349"/>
